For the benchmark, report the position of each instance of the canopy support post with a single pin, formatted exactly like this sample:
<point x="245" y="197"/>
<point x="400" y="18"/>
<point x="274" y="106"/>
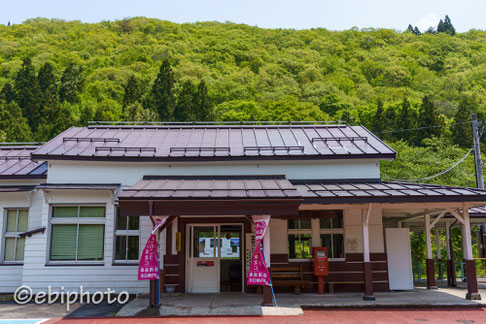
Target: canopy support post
<point x="451" y="273"/>
<point x="472" y="282"/>
<point x="429" y="261"/>
<point x="367" y="271"/>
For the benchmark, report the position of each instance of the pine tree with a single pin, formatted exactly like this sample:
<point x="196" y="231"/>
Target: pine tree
<point x="8" y="24"/>
<point x="185" y="107"/>
<point x="449" y="28"/>
<point x="47" y="80"/>
<point x="407" y="120"/>
<point x="410" y="29"/>
<point x="132" y="92"/>
<point x="378" y="120"/>
<point x="162" y="97"/>
<point x="441" y="27"/>
<point x="8" y="92"/>
<point x="13" y="124"/>
<point x="28" y="93"/>
<point x="461" y="131"/>
<point x="202" y="104"/>
<point x="416" y="31"/>
<point x="71" y="84"/>
<point x="428" y="117"/>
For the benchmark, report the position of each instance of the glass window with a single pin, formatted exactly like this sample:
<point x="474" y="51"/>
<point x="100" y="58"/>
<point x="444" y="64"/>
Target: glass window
<point x="81" y="239"/>
<point x="331" y="219"/>
<point x="300" y="246"/>
<point x="334" y="244"/>
<point x="127" y="233"/>
<point x="299" y="224"/>
<point x="16" y="223"/>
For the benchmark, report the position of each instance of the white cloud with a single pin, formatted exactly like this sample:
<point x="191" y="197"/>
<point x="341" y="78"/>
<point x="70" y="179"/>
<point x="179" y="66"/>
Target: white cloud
<point x="431" y="19"/>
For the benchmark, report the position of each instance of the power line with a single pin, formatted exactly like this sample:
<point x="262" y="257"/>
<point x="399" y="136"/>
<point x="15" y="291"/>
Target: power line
<point x="425" y="127"/>
<point x="437" y="174"/>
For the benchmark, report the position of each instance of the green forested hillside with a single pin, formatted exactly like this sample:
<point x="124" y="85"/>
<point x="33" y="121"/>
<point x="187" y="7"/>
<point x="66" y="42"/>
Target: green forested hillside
<point x="54" y="74"/>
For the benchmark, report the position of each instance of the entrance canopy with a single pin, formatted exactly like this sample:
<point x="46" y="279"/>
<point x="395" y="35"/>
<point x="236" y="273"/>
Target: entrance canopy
<point x="210" y="195"/>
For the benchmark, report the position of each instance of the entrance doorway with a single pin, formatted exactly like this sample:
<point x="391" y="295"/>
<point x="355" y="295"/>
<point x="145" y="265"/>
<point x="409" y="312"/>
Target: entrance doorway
<point x="214" y="261"/>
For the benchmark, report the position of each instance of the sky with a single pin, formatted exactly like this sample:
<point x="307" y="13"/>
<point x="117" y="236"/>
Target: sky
<point x="298" y="14"/>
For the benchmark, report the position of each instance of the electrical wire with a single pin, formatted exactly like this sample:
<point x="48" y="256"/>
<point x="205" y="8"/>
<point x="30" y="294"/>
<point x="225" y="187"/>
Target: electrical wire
<point x="425" y="127"/>
<point x="435" y="175"/>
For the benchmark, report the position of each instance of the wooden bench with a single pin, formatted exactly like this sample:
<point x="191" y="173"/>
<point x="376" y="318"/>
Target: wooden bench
<point x="332" y="283"/>
<point x="288" y="276"/>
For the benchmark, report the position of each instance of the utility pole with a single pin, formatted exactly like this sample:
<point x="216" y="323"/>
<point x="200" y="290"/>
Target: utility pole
<point x="479" y="177"/>
<point x="477" y="153"/>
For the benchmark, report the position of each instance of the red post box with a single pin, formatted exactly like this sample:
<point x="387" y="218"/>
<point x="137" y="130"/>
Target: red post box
<point x="321" y="266"/>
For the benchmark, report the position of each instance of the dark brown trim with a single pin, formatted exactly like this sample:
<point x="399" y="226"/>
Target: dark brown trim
<point x="472" y="281"/>
<point x="49" y="157"/>
<point x="431" y="284"/>
<point x="368" y="281"/>
<point x="125" y="264"/>
<point x="10" y="264"/>
<point x="451" y="274"/>
<point x="23" y="177"/>
<point x="284" y="207"/>
<point x="393" y="199"/>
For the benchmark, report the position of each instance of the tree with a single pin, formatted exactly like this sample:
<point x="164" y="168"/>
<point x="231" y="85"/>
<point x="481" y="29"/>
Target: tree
<point x="410" y="29"/>
<point x="132" y="91"/>
<point x="416" y="31"/>
<point x="8" y="92"/>
<point x="428" y="117"/>
<point x="14" y="126"/>
<point x="449" y="28"/>
<point x="162" y="97"/>
<point x="331" y="104"/>
<point x="378" y="120"/>
<point x="185" y="108"/>
<point x="28" y="93"/>
<point x="46" y="78"/>
<point x="462" y="131"/>
<point x="8" y="24"/>
<point x="202" y="103"/>
<point x="71" y="84"/>
<point x="137" y="113"/>
<point x="407" y="120"/>
<point x="441" y="27"/>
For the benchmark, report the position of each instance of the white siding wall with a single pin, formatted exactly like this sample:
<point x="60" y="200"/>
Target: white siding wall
<point x="129" y="173"/>
<point x="39" y="276"/>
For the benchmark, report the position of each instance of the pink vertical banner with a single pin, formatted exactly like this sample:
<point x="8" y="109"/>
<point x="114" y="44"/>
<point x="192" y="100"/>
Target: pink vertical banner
<point x="258" y="273"/>
<point x="148" y="268"/>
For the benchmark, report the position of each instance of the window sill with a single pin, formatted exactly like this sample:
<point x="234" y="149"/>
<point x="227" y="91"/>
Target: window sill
<point x="74" y="264"/>
<point x="310" y="260"/>
<point x="6" y="263"/>
<point x="118" y="263"/>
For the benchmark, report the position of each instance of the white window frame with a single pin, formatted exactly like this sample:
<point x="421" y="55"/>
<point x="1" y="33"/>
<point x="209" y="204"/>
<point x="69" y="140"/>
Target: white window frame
<point x="76" y="221"/>
<point x="14" y="235"/>
<point x="125" y="233"/>
<point x="331" y="231"/>
<point x="308" y="231"/>
<point x="316" y="232"/>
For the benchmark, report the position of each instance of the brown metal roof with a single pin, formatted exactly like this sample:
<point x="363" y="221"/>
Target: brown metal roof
<point x="211" y="187"/>
<point x="16" y="163"/>
<point x="214" y="142"/>
<point x="369" y="191"/>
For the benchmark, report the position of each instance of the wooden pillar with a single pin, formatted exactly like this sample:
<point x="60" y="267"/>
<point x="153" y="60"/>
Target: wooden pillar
<point x="472" y="283"/>
<point x="267" y="291"/>
<point x="439" y="256"/>
<point x="451" y="268"/>
<point x="429" y="261"/>
<point x="367" y="271"/>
